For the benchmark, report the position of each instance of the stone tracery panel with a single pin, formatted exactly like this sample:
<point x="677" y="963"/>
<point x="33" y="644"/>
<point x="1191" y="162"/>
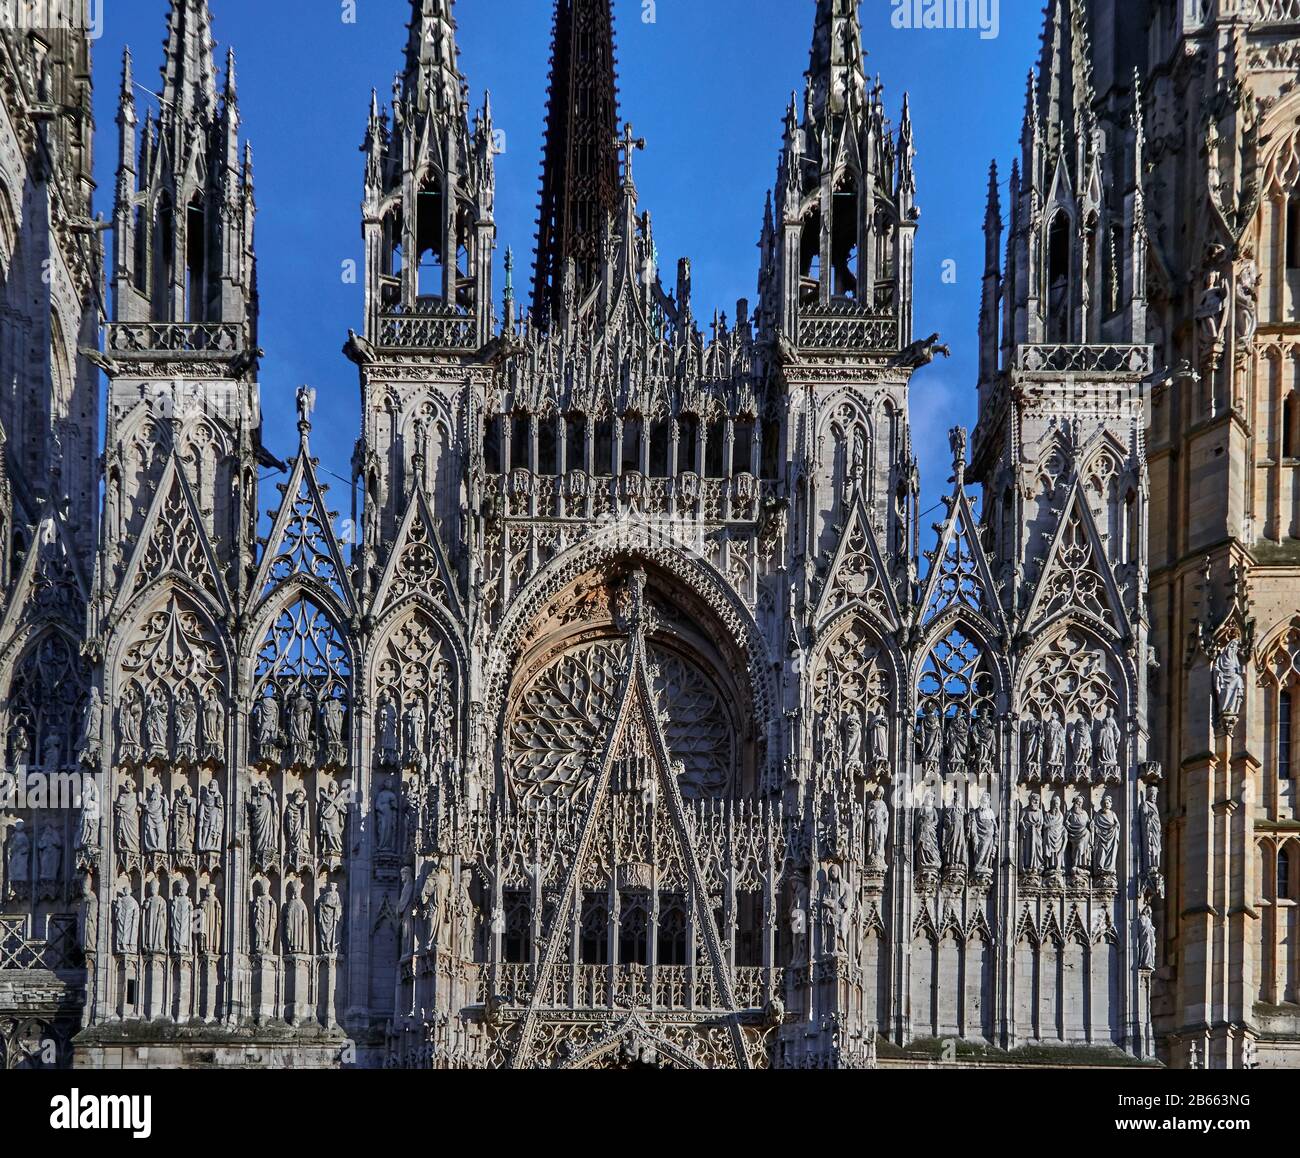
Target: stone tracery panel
<point x="854" y="700"/>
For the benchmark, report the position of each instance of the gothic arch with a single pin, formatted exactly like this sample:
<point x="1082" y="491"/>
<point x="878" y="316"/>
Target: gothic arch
<point x="45" y="694"/>
<point x="980" y="634"/>
<point x="629" y="547"/>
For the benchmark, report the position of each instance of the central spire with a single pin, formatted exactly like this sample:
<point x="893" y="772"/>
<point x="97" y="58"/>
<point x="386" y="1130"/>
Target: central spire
<point x="189" y="75"/>
<point x="431" y="65"/>
<point x="580" y="184"/>
<point x="835" y="71"/>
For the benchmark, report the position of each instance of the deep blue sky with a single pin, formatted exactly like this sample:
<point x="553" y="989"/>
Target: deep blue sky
<point x="707" y="84"/>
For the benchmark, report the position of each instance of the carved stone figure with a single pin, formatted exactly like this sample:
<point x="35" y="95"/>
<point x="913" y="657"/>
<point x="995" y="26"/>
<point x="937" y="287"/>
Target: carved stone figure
<point x="956" y="846"/>
<point x="269" y="738"/>
<point x="297" y="833"/>
<point x="329" y="820"/>
<point x="1054" y="837"/>
<point x="1031" y="734"/>
<point x="798" y="923"/>
<point x="1105" y="832"/>
<point x="957" y="741"/>
<point x="214" y="727"/>
<point x="984" y="731"/>
<point x="184" y="811"/>
<point x="155" y="919"/>
<point x="126" y="819"/>
<point x="1078" y="833"/>
<point x="984" y="837"/>
<point x="851" y="741"/>
<point x="209" y="923"/>
<point x="297" y="921"/>
<point x="878" y="739"/>
<point x="931" y="740"/>
<point x="1146" y="939"/>
<point x="332" y="717"/>
<point x="1109" y="741"/>
<point x="329" y="916"/>
<point x="182" y="923"/>
<point x="129" y="718"/>
<point x="19" y="860"/>
<point x="1081" y="743"/>
<point x="126" y="922"/>
<point x="386" y="730"/>
<point x="386" y="820"/>
<point x="927" y="836"/>
<point x="92" y="728"/>
<point x="1229" y="683"/>
<point x="415" y="735"/>
<point x="155" y="820"/>
<point x="877" y="829"/>
<point x="261" y="921"/>
<point x="1247" y="297"/>
<point x="49" y="854"/>
<point x="88" y="916"/>
<point x="1032" y="859"/>
<point x="1054" y="742"/>
<point x="212" y="818"/>
<point x="302" y="748"/>
<point x="88" y="824"/>
<point x="1151" y="842"/>
<point x="834" y="909"/>
<point x="262" y="826"/>
<point x="156" y="710"/>
<point x="187" y="723"/>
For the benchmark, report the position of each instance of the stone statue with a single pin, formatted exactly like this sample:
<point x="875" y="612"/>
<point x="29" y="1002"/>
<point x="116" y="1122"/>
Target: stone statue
<point x="300" y="729"/>
<point x="261" y="921"/>
<point x="1031" y="836"/>
<point x="329" y="820"/>
<point x="1229" y="684"/>
<point x="209" y="924"/>
<point x="155" y="919"/>
<point x="1109" y="741"/>
<point x="268" y="727"/>
<point x="332" y="717"/>
<point x="92" y="727"/>
<point x="931" y="740"/>
<point x="927" y="836"/>
<point x="1105" y="832"/>
<point x="1212" y="308"/>
<point x="878" y="739"/>
<point x="184" y="810"/>
<point x="1081" y="742"/>
<point x="155" y="820"/>
<point x="212" y="818"/>
<point x="1151" y="835"/>
<point x="386" y="729"/>
<point x="297" y="834"/>
<point x="956" y="848"/>
<point x="877" y="829"/>
<point x="406" y="911"/>
<point x="465" y="912"/>
<point x="129" y="715"/>
<point x="1078" y="833"/>
<point x="19" y="870"/>
<point x="1055" y="745"/>
<point x="415" y="735"/>
<point x="88" y="916"/>
<point x="262" y="822"/>
<point x="386" y="820"/>
<point x="182" y="924"/>
<point x="155" y="725"/>
<point x="798" y="923"/>
<point x="985" y="734"/>
<point x="126" y="922"/>
<point x="833" y="911"/>
<point x="297" y="921"/>
<point x="1031" y="740"/>
<point x="1146" y="939"/>
<point x="329" y="915"/>
<point x="88" y="825"/>
<point x="49" y="854"/>
<point x="851" y="739"/>
<point x="1247" y="297"/>
<point x="957" y="741"/>
<point x="187" y="723"/>
<point x="126" y="819"/>
<point x="214" y="727"/>
<point x="1054" y="837"/>
<point x="984" y="836"/>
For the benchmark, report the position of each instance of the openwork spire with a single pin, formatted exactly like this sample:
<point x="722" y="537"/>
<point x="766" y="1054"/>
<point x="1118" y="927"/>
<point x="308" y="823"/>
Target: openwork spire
<point x="431" y="56"/>
<point x="580" y="184"/>
<point x="1065" y="93"/>
<point x="835" y="73"/>
<point x="189" y="74"/>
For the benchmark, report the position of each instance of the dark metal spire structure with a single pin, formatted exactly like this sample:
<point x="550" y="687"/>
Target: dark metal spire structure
<point x="580" y="167"/>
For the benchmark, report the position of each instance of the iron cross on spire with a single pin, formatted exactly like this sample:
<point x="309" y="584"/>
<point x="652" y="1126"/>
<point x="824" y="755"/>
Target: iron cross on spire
<point x="626" y="144"/>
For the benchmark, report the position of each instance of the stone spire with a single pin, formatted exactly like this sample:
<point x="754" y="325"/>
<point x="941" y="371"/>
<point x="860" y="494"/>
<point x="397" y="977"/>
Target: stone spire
<point x="431" y="57"/>
<point x="580" y="173"/>
<point x="189" y="74"/>
<point x="835" y="72"/>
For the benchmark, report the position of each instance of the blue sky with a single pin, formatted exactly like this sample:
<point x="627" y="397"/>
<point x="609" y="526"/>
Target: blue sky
<point x="706" y="83"/>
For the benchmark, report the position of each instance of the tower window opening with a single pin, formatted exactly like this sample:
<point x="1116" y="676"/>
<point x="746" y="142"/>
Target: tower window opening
<point x="604" y="451"/>
<point x="492" y="445"/>
<point x="1058" y="279"/>
<point x="1293" y="232"/>
<point x="810" y="259"/>
<point x="844" y="242"/>
<point x="631" y="444"/>
<point x="688" y="443"/>
<point x="430" y="242"/>
<point x="164" y="256"/>
<point x="547" y="447"/>
<point x="633" y="932"/>
<point x="1284" y="736"/>
<point x="1283" y="875"/>
<point x="660" y="438"/>
<point x="521" y="443"/>
<point x="671" y="946"/>
<point x="140" y="271"/>
<point x="594" y="931"/>
<point x="394" y="261"/>
<point x="516" y="945"/>
<point x="771" y="466"/>
<point x="196" y="265"/>
<point x="742" y="448"/>
<point x="715" y="460"/>
<point x="575" y="451"/>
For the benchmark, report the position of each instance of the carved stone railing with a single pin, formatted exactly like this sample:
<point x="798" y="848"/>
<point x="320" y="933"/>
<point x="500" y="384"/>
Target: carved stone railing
<point x="1063" y="359"/>
<point x="1273" y="11"/>
<point x="846" y="327"/>
<point x="224" y="339"/>
<point x="604" y="986"/>
<point x="19" y="949"/>
<point x="434" y="329"/>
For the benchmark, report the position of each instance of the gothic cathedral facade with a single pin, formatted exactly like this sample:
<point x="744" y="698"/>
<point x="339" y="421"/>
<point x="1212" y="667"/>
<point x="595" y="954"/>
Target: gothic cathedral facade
<point x="644" y="723"/>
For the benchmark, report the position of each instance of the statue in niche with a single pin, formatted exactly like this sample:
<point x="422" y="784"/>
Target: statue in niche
<point x="212" y="818"/>
<point x="1081" y="743"/>
<point x="431" y="904"/>
<point x="878" y="740"/>
<point x="262" y="921"/>
<point x="386" y="820"/>
<point x="877" y="829"/>
<point x="833" y="911"/>
<point x="92" y="728"/>
<point x="209" y="923"/>
<point x="126" y="922"/>
<point x="957" y="741"/>
<point x="329" y="915"/>
<point x="187" y="723"/>
<point x="1105" y="832"/>
<point x="465" y="913"/>
<point x="931" y="740"/>
<point x="329" y="820"/>
<point x="1031" y="739"/>
<point x="88" y="916"/>
<point x="156" y="711"/>
<point x="214" y="724"/>
<point x="406" y="911"/>
<point x="88" y="823"/>
<point x="49" y="854"/>
<point x="1247" y="297"/>
<point x="798" y="923"/>
<point x="19" y="870"/>
<point x="1146" y="939"/>
<point x="985" y="734"/>
<point x="155" y="919"/>
<point x="302" y="750"/>
<point x="1229" y="684"/>
<point x="129" y="719"/>
<point x="1078" y="835"/>
<point x="262" y="812"/>
<point x="126" y="819"/>
<point x="851" y="740"/>
<point x="155" y="820"/>
<point x="1054" y="743"/>
<point x="184" y="810"/>
<point x="927" y="836"/>
<point x="297" y="835"/>
<point x="22" y="745"/>
<point x="182" y="920"/>
<point x="415" y="735"/>
<point x="268" y="727"/>
<point x="386" y="730"/>
<point x="332" y="717"/>
<point x="1109" y="741"/>
<point x="52" y="753"/>
<point x="857" y="456"/>
<point x="1054" y="837"/>
<point x="1032" y="859"/>
<point x="1213" y="305"/>
<point x="984" y="836"/>
<point x="1151" y="843"/>
<point x="956" y="847"/>
<point x="297" y="921"/>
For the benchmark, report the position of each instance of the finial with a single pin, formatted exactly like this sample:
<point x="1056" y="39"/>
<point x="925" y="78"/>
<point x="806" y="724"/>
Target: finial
<point x="627" y="144"/>
<point x="306" y="404"/>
